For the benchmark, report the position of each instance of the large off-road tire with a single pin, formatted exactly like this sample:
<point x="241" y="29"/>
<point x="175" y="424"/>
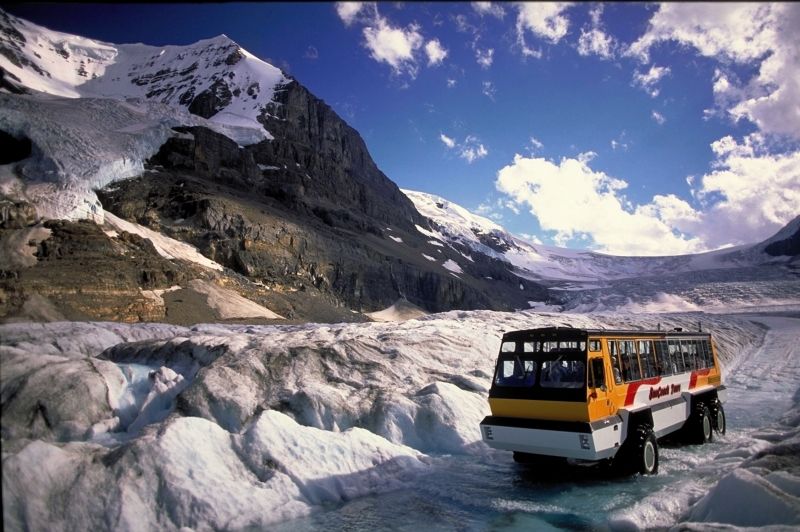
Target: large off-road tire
<point x="647" y="454"/>
<point x="638" y="454"/>
<point x="700" y="425"/>
<point x="718" y="418"/>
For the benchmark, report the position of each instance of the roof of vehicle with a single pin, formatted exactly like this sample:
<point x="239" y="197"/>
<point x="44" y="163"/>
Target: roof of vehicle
<point x="573" y="333"/>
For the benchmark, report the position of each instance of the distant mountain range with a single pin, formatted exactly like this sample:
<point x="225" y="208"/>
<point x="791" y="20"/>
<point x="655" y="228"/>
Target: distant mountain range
<point x="176" y="183"/>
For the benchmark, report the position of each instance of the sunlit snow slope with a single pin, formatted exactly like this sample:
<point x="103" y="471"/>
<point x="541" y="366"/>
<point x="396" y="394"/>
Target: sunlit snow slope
<point x="213" y="78"/>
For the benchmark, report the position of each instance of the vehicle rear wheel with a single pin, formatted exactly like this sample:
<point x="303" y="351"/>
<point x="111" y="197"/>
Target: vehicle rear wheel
<point x="700" y="427"/>
<point x="720" y="423"/>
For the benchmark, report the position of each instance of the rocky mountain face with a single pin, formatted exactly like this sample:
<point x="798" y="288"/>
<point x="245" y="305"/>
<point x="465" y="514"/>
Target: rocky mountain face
<point x="270" y="222"/>
<point x="300" y="217"/>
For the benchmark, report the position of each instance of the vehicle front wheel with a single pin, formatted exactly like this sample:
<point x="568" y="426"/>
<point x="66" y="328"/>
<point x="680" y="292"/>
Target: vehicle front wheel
<point x="639" y="453"/>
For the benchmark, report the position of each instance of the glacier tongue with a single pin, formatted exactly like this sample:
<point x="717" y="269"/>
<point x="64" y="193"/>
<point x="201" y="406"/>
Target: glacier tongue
<point x="231" y="426"/>
<point x="84" y="144"/>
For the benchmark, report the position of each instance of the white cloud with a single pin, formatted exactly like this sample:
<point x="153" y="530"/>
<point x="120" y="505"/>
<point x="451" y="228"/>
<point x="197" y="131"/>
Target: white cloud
<point x="594" y="40"/>
<point x="348" y="11"/>
<point x="394" y="46"/>
<point x="749" y="195"/>
<point x="451" y="83"/>
<point x="658" y="117"/>
<point x="400" y="48"/>
<point x="574" y="201"/>
<point x="490" y="210"/>
<point x="311" y="53"/>
<point x="759" y="192"/>
<point x="533" y="239"/>
<point x="544" y="20"/>
<point x="648" y="80"/>
<point x="758" y="34"/>
<point x="535" y="145"/>
<point x="450" y="143"/>
<point x="489" y="8"/>
<point x="619" y="144"/>
<point x="484" y="57"/>
<point x="488" y="89"/>
<point x="741" y="32"/>
<point x="463" y="25"/>
<point x="435" y="52"/>
<point x="472" y="149"/>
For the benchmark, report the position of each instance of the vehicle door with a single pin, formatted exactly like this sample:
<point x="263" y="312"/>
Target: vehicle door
<point x="599" y="383"/>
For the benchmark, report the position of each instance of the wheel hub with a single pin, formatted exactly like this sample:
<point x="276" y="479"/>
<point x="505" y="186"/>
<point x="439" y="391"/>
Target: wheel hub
<point x="649" y="456"/>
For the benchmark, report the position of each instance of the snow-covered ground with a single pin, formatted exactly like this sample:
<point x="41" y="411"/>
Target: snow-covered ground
<point x="154" y="426"/>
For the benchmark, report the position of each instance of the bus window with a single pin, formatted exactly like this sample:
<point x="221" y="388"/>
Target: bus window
<point x="675" y="356"/>
<point x="594" y="345"/>
<point x="562" y="374"/>
<point x="648" y="359"/>
<point x="508" y="347"/>
<point x="705" y="355"/>
<point x="513" y="371"/>
<point x="529" y="347"/>
<point x="616" y="362"/>
<point x="691" y="349"/>
<point x="664" y="364"/>
<point x="598" y="374"/>
<point x="630" y="362"/>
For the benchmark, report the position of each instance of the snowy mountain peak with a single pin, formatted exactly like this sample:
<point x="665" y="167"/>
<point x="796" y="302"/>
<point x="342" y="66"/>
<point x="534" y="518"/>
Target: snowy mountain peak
<point x="213" y="78"/>
<point x="788" y="231"/>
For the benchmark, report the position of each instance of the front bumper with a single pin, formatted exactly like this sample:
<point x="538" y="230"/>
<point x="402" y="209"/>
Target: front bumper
<point x="578" y="440"/>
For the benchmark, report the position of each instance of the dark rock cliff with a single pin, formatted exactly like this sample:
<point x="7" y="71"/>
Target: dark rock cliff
<point x="284" y="214"/>
<point x="332" y="167"/>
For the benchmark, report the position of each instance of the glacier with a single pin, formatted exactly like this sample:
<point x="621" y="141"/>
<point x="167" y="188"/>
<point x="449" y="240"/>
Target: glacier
<point x="234" y="426"/>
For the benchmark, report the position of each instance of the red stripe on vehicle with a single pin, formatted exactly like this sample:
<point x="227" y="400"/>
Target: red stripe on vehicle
<point x="695" y="374"/>
<point x="634" y="387"/>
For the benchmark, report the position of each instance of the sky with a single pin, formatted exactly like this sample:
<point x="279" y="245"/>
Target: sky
<point x="631" y="129"/>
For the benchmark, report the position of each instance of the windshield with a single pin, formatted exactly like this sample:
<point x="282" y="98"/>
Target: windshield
<point x="541" y="370"/>
<point x="515" y="371"/>
<point x="563" y="374"/>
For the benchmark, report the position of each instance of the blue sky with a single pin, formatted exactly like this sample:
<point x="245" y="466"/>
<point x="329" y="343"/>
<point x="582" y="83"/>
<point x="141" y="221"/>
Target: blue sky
<point x="625" y="128"/>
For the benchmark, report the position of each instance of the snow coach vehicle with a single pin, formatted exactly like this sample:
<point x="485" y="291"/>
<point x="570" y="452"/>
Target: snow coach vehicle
<point x="602" y="396"/>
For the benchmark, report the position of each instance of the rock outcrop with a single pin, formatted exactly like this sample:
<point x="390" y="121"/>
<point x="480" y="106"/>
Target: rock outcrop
<point x="323" y="223"/>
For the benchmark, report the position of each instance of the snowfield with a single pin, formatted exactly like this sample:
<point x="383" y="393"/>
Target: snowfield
<point x="154" y="426"/>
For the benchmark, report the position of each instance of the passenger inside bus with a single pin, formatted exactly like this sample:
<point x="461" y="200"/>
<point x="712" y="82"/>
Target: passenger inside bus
<point x="563" y="374"/>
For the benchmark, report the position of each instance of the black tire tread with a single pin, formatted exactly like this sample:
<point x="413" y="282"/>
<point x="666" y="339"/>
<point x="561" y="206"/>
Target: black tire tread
<point x="695" y="424"/>
<point x="628" y="460"/>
